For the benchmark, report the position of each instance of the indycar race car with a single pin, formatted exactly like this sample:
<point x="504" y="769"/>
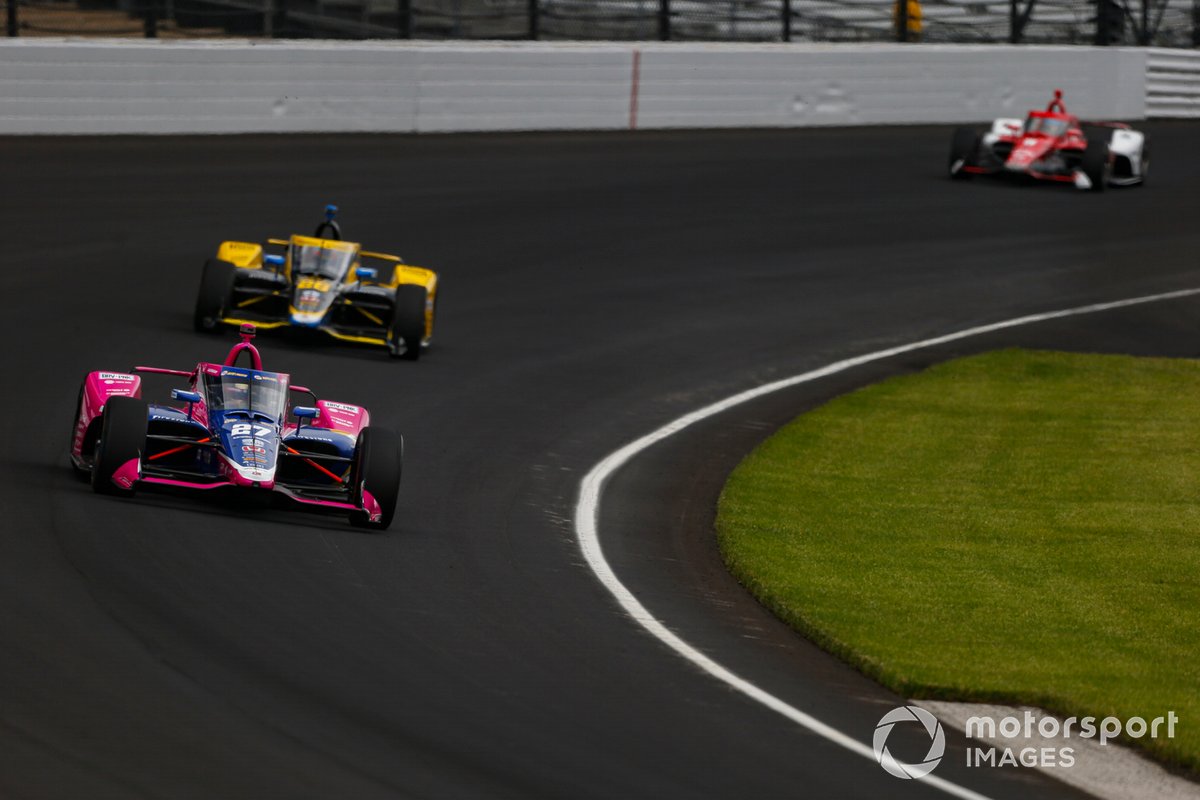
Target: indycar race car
<point x="232" y="431"/>
<point x="1053" y="145"/>
<point x="323" y="283"/>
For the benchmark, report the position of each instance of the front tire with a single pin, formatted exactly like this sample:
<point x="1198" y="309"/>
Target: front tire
<point x="408" y="322"/>
<point x="122" y="438"/>
<point x="964" y="152"/>
<point x="377" y="464"/>
<point x="216" y="286"/>
<point x="1097" y="164"/>
<point x="79" y="471"/>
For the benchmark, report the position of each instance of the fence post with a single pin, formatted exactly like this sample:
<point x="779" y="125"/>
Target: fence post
<point x="150" y="20"/>
<point x="664" y="20"/>
<point x="535" y="20"/>
<point x="901" y="15"/>
<point x="403" y="19"/>
<point x="10" y="14"/>
<point x="1013" y="33"/>
<point x="787" y="20"/>
<point x="1110" y="22"/>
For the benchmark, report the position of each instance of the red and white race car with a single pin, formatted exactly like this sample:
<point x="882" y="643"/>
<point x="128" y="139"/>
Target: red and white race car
<point x="1053" y="145"/>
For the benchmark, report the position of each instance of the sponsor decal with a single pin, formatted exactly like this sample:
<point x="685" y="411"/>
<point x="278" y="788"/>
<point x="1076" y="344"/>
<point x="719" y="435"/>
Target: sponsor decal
<point x="340" y="407"/>
<point x="109" y="377"/>
<point x="247" y="448"/>
<point x="246" y="429"/>
<point x="308" y="299"/>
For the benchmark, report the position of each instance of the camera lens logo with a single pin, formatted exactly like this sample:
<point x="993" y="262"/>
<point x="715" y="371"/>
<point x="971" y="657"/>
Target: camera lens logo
<point x="937" y="747"/>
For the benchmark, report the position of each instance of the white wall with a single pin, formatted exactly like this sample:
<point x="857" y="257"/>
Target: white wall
<point x="90" y="86"/>
<point x="780" y="85"/>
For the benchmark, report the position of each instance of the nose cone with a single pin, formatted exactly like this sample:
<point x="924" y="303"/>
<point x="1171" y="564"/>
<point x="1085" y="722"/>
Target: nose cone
<point x="1029" y="151"/>
<point x="252" y="477"/>
<point x="251" y="451"/>
<point x="312" y="301"/>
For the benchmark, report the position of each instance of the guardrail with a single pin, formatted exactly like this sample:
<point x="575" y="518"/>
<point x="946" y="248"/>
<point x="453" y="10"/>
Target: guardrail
<point x="1172" y="83"/>
<point x="81" y="87"/>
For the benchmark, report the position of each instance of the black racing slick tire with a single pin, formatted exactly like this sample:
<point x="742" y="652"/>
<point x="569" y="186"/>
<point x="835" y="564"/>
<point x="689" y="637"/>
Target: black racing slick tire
<point x="122" y="438"/>
<point x="1097" y="163"/>
<point x="964" y="150"/>
<point x="378" y="457"/>
<point x="216" y="286"/>
<point x="80" y="472"/>
<point x="408" y="322"/>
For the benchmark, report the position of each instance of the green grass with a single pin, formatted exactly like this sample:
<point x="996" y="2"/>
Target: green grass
<point x="1013" y="527"/>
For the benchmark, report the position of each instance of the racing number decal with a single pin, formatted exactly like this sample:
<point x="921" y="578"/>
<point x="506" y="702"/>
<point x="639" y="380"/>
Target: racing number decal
<point x="244" y="428"/>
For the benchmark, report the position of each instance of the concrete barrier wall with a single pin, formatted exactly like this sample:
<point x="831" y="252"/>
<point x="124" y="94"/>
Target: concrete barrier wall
<point x="79" y="87"/>
<point x="882" y="84"/>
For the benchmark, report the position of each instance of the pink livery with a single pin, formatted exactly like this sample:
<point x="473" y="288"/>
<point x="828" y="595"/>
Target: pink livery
<point x="234" y="429"/>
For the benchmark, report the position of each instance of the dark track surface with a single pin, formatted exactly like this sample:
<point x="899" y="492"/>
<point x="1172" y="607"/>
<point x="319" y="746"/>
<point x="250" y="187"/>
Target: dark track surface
<point x="596" y="286"/>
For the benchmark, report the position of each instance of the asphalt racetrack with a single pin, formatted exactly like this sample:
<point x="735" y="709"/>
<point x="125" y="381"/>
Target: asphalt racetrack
<point x="594" y="288"/>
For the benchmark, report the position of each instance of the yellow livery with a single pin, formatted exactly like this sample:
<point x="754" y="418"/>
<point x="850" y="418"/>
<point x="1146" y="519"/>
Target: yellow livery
<point x="321" y="283"/>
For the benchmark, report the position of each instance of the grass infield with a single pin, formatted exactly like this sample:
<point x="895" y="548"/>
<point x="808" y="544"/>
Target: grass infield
<point x="1014" y="527"/>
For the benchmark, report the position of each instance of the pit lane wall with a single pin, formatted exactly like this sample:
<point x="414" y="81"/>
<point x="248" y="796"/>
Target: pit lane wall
<point x="109" y="87"/>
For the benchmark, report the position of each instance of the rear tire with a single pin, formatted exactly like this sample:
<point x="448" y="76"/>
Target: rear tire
<point x="408" y="322"/>
<point x="216" y="286"/>
<point x="1097" y="164"/>
<point x="964" y="147"/>
<point x="122" y="438"/>
<point x="377" y="464"/>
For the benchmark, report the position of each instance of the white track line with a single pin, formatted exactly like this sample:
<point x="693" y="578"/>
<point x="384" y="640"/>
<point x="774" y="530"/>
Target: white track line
<point x="587" y="511"/>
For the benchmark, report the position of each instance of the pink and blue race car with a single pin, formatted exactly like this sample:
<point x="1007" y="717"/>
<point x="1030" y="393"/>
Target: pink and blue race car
<point x="233" y="430"/>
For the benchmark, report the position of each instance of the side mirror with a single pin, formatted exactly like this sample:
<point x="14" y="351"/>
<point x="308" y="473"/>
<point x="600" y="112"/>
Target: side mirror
<point x="302" y="413"/>
<point x="185" y="395"/>
<point x="366" y="273"/>
<point x="274" y="261"/>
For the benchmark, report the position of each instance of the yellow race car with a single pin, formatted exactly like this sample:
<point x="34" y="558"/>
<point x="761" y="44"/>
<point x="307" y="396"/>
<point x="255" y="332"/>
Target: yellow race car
<point x="322" y="283"/>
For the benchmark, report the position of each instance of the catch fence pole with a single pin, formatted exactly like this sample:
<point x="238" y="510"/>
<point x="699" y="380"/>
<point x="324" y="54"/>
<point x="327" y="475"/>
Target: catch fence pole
<point x="150" y="20"/>
<point x="403" y="19"/>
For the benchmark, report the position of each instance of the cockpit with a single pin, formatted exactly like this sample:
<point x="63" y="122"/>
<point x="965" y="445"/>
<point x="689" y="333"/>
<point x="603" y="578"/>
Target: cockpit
<point x="322" y="258"/>
<point x="250" y="392"/>
<point x="1047" y="126"/>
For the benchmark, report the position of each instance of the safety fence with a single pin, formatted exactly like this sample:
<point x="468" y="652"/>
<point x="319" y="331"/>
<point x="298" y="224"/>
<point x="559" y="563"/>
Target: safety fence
<point x="1164" y="23"/>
